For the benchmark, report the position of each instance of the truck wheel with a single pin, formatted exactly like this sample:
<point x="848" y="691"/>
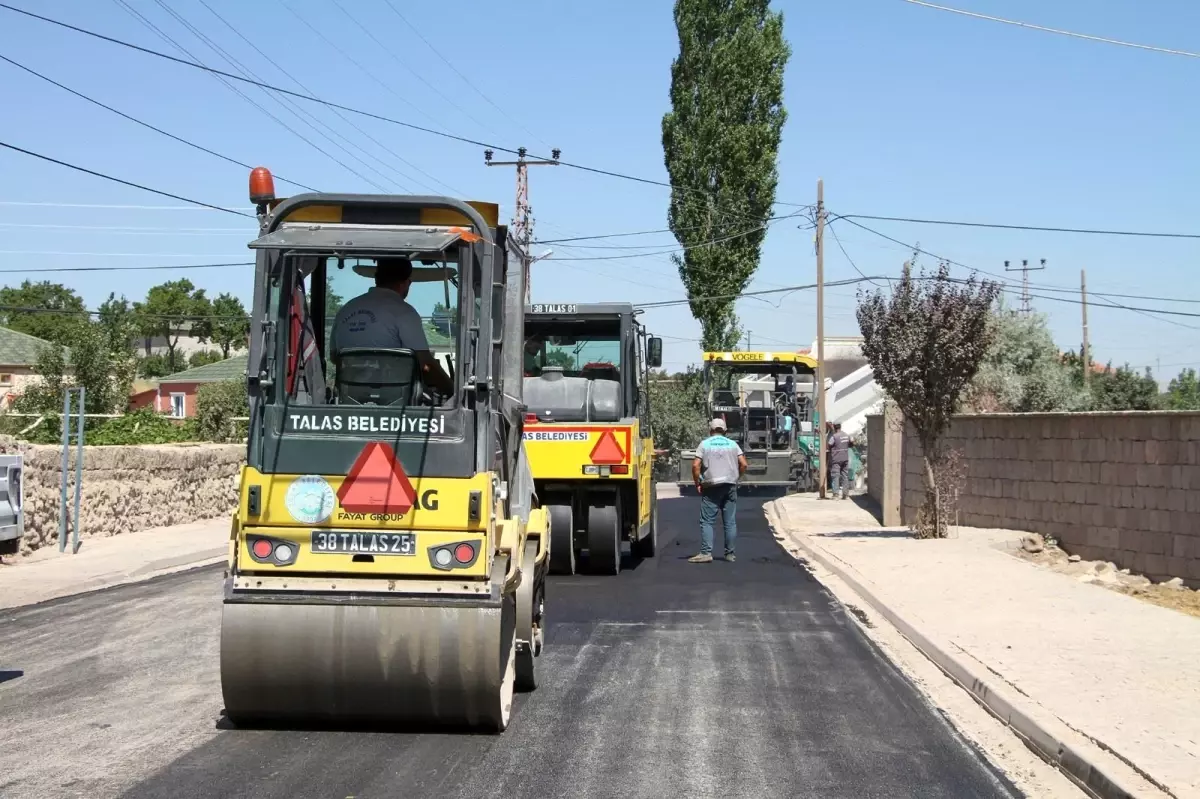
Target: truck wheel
<point x="648" y="546"/>
<point x="562" y="539"/>
<point x="604" y="540"/>
<point x="530" y="624"/>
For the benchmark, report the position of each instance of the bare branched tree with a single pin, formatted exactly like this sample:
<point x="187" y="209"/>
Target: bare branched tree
<point x="925" y="343"/>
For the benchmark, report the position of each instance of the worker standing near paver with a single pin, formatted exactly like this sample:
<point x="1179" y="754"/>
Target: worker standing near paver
<point x="839" y="461"/>
<point x="716" y="469"/>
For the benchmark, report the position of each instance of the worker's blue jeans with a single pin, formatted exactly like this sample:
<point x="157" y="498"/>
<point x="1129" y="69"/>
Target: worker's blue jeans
<point x="718" y="499"/>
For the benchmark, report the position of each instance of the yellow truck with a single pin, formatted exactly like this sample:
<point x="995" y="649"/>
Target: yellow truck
<point x="587" y="431"/>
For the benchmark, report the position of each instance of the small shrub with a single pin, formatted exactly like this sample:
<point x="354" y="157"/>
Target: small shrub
<point x="143" y="426"/>
<point x="217" y="404"/>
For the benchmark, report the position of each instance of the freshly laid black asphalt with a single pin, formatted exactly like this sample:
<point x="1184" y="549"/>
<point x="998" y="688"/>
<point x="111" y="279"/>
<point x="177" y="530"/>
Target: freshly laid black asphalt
<point x="672" y="679"/>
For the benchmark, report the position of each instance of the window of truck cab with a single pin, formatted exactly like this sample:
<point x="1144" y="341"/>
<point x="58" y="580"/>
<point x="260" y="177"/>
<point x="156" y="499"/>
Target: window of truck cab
<point x="330" y="281"/>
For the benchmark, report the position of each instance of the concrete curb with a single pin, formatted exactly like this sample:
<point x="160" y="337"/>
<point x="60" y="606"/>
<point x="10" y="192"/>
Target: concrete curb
<point x="141" y="574"/>
<point x="1046" y="742"/>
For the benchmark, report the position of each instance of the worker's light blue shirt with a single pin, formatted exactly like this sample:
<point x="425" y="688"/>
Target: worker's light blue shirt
<point x="718" y="458"/>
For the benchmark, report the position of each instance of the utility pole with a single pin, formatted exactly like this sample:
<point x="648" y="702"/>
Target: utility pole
<point x="522" y="225"/>
<point x="1026" y="300"/>
<point x="1087" y="360"/>
<point x="821" y="336"/>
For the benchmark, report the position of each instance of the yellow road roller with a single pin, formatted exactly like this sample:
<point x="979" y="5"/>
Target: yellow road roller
<point x="387" y="558"/>
<point x="587" y="430"/>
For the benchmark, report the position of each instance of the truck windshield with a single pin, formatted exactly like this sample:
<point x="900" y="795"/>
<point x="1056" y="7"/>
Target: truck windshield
<point x="588" y="351"/>
<point x="432" y="294"/>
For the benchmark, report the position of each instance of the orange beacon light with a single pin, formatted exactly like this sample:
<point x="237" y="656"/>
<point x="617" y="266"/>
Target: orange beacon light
<point x="262" y="186"/>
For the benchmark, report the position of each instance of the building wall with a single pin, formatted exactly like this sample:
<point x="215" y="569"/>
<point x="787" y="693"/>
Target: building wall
<point x="14" y="380"/>
<point x="188" y="390"/>
<point x="1121" y="487"/>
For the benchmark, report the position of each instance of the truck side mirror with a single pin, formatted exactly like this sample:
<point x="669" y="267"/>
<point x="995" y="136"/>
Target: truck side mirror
<point x="654" y="352"/>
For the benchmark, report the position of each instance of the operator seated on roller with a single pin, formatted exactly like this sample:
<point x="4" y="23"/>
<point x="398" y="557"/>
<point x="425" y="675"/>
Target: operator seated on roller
<point x="382" y="319"/>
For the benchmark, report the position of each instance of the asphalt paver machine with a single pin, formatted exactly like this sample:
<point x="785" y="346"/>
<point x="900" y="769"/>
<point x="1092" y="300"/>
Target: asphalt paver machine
<point x="766" y="401"/>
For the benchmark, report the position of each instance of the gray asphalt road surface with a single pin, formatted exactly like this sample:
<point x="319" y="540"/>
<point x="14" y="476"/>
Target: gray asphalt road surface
<point x="672" y="679"/>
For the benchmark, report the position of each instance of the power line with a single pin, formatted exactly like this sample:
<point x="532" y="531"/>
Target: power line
<point x="465" y="79"/>
<point x="1154" y="312"/>
<point x="338" y="49"/>
<point x="646" y="232"/>
<point x="997" y="225"/>
<point x="144" y="124"/>
<point x="122" y="182"/>
<point x="23" y="203"/>
<point x="195" y="64"/>
<point x="133" y="231"/>
<point x="119" y="268"/>
<point x="410" y="70"/>
<point x="675" y="250"/>
<point x="1072" y="34"/>
<point x="289" y="105"/>
<point x="295" y="80"/>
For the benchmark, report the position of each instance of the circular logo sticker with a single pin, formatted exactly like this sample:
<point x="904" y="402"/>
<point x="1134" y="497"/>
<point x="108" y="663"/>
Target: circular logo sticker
<point x="310" y="499"/>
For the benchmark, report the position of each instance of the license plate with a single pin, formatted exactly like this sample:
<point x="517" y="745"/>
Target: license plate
<point x="335" y="542"/>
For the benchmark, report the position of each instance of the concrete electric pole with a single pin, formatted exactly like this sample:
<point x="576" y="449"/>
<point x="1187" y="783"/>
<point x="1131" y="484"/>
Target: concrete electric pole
<point x="821" y="480"/>
<point x="522" y="225"/>
<point x="1086" y="354"/>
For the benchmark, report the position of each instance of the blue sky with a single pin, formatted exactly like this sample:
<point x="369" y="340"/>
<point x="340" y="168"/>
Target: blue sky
<point x="904" y="111"/>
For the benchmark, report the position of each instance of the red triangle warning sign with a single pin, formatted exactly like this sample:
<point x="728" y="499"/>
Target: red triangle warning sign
<point x="376" y="483"/>
<point x="607" y="450"/>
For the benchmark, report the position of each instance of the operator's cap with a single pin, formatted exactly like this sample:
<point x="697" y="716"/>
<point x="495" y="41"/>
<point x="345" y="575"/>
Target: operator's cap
<point x="716" y="424"/>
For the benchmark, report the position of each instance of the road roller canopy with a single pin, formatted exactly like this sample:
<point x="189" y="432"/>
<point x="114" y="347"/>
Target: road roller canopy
<point x="336" y="360"/>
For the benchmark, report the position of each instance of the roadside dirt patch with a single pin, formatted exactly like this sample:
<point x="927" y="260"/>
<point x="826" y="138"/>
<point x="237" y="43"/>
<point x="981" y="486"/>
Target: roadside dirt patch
<point x="1106" y="575"/>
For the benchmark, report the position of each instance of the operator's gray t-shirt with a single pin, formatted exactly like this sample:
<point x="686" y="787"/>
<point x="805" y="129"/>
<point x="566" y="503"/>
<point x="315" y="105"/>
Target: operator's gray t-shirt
<point x="718" y="460"/>
<point x="380" y="318"/>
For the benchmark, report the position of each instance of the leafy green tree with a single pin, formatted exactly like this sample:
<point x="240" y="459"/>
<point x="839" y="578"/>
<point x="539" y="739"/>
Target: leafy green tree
<point x="119" y="323"/>
<point x="230" y="323"/>
<point x="104" y="375"/>
<point x="172" y="309"/>
<point x="1123" y="389"/>
<point x="1183" y="392"/>
<point x="217" y="406"/>
<point x="677" y="414"/>
<point x="59" y="310"/>
<point x="203" y="358"/>
<point x="926" y="343"/>
<point x="156" y="365"/>
<point x="720" y="144"/>
<point x="1024" y="371"/>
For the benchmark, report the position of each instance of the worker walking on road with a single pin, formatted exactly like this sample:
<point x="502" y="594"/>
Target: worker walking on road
<point x="839" y="461"/>
<point x="718" y="466"/>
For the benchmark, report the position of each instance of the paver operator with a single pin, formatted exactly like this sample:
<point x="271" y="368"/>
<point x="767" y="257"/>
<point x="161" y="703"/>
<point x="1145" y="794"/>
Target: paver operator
<point x="839" y="460"/>
<point x="716" y="469"/>
<point x="382" y="318"/>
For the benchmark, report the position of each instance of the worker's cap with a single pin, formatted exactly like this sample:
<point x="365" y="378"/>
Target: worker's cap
<point x="716" y="424"/>
<point x="392" y="270"/>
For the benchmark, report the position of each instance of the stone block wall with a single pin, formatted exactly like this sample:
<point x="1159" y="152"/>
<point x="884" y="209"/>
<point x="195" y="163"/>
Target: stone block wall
<point x="875" y="452"/>
<point x="126" y="489"/>
<point x="1120" y="487"/>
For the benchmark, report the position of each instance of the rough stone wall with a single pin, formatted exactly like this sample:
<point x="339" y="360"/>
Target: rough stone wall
<point x="126" y="489"/>
<point x="1121" y="487"/>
